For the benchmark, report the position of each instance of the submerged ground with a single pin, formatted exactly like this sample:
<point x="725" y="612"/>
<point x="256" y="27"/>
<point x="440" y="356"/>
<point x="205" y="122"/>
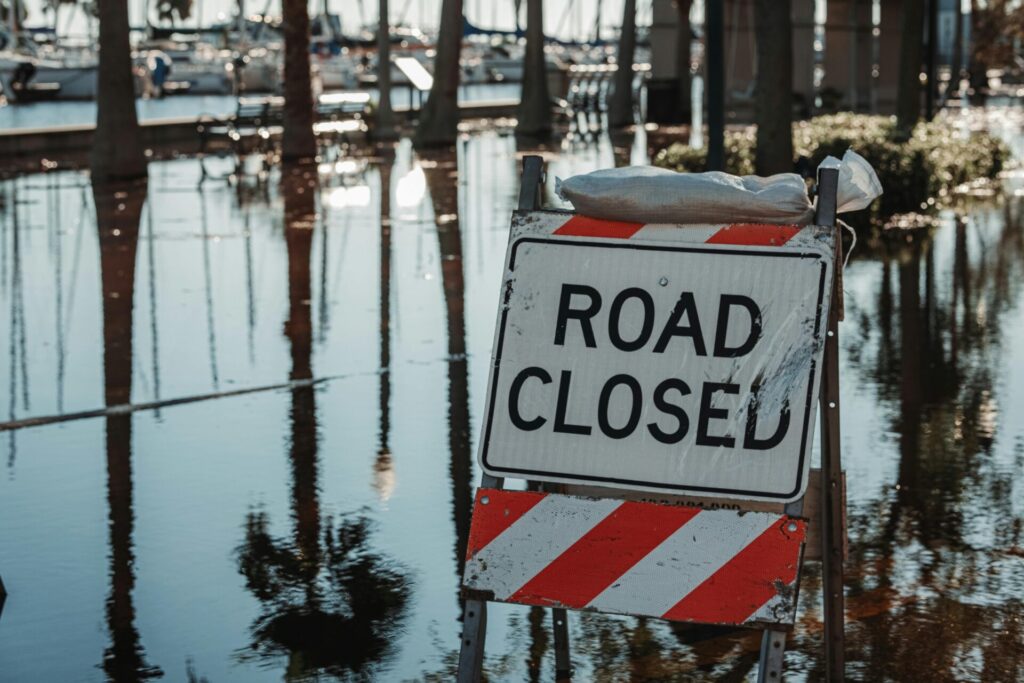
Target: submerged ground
<point x="315" y="525"/>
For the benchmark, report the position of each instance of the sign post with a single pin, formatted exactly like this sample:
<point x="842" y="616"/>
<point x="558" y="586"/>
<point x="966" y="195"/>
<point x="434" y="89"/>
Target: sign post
<point x="664" y="361"/>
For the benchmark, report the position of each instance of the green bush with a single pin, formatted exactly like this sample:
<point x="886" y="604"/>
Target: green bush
<point x="915" y="174"/>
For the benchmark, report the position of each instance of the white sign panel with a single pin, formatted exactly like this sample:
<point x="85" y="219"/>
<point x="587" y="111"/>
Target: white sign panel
<point x="657" y="363"/>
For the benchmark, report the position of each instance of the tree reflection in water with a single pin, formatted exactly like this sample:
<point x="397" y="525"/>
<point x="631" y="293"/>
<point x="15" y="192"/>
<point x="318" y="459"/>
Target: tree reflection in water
<point x="330" y="606"/>
<point x="118" y="211"/>
<point x="924" y="550"/>
<point x="442" y="175"/>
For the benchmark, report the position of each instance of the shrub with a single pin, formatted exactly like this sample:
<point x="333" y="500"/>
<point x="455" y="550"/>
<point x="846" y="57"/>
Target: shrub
<point x="922" y="171"/>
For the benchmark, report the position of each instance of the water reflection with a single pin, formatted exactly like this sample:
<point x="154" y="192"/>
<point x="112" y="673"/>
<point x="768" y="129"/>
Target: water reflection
<point x="118" y="213"/>
<point x="330" y="605"/>
<point x="442" y="179"/>
<point x="383" y="468"/>
<point x="18" y="373"/>
<point x="932" y="387"/>
<point x="926" y="548"/>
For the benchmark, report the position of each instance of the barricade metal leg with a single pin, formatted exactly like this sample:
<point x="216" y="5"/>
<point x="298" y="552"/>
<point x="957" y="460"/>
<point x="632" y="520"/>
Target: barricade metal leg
<point x="563" y="666"/>
<point x="474" y="614"/>
<point x="832" y="505"/>
<point x="773" y="651"/>
<point x="831" y="460"/>
<point x="474" y="633"/>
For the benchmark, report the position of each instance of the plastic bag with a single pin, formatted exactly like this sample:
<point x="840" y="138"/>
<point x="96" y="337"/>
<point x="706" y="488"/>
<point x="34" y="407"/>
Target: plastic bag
<point x="858" y="184"/>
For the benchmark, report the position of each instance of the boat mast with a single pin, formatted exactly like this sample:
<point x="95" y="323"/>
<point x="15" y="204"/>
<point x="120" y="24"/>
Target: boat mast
<point x="240" y="22"/>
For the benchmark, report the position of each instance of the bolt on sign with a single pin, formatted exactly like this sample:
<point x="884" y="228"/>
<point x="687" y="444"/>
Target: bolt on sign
<point x="658" y="357"/>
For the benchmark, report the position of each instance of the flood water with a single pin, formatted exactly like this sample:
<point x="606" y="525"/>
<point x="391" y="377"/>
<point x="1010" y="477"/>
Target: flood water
<point x="290" y="498"/>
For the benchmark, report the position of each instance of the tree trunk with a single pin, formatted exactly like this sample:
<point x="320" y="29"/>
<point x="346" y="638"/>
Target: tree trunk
<point x="908" y="96"/>
<point x="439" y="122"/>
<point x="774" y="87"/>
<point x="117" y="152"/>
<point x="385" y="127"/>
<point x="684" y="41"/>
<point x="956" y="63"/>
<point x="620" y="108"/>
<point x="978" y="75"/>
<point x="534" y="112"/>
<point x="297" y="143"/>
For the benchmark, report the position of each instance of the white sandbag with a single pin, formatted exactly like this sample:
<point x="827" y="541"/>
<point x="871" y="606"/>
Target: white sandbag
<point x="648" y="194"/>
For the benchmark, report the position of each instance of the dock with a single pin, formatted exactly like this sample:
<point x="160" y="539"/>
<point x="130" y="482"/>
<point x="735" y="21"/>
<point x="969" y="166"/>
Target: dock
<point x="69" y="144"/>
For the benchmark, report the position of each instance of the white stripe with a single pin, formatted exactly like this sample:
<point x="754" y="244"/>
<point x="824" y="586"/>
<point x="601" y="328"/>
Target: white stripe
<point x="534" y="541"/>
<point x="667" y="232"/>
<point x="682" y="562"/>
<point x="778" y="609"/>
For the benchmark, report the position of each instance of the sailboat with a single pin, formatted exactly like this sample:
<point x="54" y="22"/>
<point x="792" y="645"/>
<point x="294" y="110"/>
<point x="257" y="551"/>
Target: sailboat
<point x="29" y="73"/>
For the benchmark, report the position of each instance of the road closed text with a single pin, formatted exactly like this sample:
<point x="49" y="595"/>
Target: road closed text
<point x="670" y="367"/>
<point x="672" y="408"/>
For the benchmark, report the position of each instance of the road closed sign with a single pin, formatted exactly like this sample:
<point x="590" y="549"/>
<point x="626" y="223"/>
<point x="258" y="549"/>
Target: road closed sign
<point x="655" y="357"/>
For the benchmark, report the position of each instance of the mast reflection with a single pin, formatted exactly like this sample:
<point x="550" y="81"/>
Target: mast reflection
<point x="383" y="468"/>
<point x="330" y="606"/>
<point x="117" y="220"/>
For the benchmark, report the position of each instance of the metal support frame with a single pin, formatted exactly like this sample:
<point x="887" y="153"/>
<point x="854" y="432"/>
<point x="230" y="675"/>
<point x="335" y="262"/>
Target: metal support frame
<point x="773" y="642"/>
<point x="831" y="458"/>
<point x="474" y="614"/>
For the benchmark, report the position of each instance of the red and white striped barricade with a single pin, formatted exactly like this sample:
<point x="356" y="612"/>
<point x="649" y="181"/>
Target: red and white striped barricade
<point x="675" y="362"/>
<point x="628" y="557"/>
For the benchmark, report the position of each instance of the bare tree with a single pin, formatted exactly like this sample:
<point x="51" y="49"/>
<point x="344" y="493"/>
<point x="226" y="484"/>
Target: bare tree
<point x="773" y="111"/>
<point x="534" y="112"/>
<point x="385" y="128"/>
<point x="908" y="96"/>
<point x="117" y="152"/>
<point x="439" y="122"/>
<point x="620" y="107"/>
<point x="298" y="143"/>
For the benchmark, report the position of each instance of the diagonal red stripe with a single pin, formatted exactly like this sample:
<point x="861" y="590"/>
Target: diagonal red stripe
<point x="604" y="554"/>
<point x="747" y="581"/>
<point x="754" y="234"/>
<point x="502" y="509"/>
<point x="584" y="226"/>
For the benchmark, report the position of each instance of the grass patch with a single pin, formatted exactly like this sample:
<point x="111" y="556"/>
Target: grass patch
<point x="922" y="172"/>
